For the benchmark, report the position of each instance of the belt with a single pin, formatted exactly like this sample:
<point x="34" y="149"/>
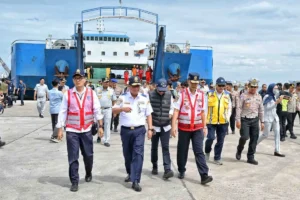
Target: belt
<point x="105" y="108"/>
<point x="133" y="127"/>
<point x="249" y="118"/>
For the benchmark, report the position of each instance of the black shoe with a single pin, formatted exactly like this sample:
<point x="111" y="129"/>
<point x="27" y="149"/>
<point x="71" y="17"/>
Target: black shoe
<point x="282" y="139"/>
<point x="233" y="132"/>
<point x="168" y="174"/>
<point x="136" y="187"/>
<point x="154" y="171"/>
<point x="238" y="155"/>
<point x="279" y="154"/>
<point x="98" y="140"/>
<point x="42" y="116"/>
<point x="252" y="161"/>
<point x="293" y="136"/>
<point x="127" y="179"/>
<point x="88" y="178"/>
<point x="74" y="187"/>
<point x="115" y="130"/>
<point x="206" y="179"/>
<point x="2" y="143"/>
<point x="181" y="175"/>
<point x="107" y="144"/>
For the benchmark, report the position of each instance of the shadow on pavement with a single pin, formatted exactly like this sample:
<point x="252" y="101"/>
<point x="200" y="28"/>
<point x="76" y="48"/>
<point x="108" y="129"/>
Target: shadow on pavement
<point x="60" y="181"/>
<point x="112" y="179"/>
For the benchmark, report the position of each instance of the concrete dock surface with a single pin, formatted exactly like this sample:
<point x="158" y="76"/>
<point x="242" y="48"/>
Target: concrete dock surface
<point x="31" y="168"/>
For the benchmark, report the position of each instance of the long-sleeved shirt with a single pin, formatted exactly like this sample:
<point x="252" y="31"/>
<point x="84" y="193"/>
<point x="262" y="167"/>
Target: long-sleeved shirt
<point x="63" y="112"/>
<point x="270" y="111"/>
<point x="166" y="128"/>
<point x="251" y="106"/>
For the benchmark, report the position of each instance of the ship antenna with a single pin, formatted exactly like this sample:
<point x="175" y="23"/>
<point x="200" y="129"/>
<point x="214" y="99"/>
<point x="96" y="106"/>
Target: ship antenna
<point x="120" y="7"/>
<point x="100" y="25"/>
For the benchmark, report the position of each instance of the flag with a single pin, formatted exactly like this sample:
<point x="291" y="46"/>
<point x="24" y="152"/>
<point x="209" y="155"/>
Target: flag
<point x="141" y="51"/>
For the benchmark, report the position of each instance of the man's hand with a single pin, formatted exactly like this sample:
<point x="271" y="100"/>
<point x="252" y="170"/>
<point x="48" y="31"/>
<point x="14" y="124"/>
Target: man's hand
<point x="262" y="126"/>
<point x="100" y="132"/>
<point x="174" y="132"/>
<point x="205" y="131"/>
<point x="126" y="109"/>
<point x="34" y="98"/>
<point x="60" y="134"/>
<point x="238" y="125"/>
<point x="150" y="133"/>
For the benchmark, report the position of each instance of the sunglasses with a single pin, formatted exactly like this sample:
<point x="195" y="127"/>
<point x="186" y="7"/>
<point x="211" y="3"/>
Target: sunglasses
<point x="254" y="87"/>
<point x="221" y="85"/>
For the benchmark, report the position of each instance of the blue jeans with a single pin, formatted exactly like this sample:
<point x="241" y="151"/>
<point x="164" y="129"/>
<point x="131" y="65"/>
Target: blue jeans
<point x="216" y="129"/>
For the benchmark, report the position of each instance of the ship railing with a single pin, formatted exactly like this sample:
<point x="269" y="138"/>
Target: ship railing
<point x="184" y="47"/>
<point x="53" y="43"/>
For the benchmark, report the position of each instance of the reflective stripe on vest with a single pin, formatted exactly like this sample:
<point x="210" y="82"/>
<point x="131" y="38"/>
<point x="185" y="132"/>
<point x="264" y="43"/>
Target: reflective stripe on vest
<point x="82" y="117"/>
<point x="189" y="118"/>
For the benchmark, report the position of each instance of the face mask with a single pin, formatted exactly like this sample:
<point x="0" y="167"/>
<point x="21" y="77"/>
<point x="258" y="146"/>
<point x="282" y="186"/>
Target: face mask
<point x="276" y="92"/>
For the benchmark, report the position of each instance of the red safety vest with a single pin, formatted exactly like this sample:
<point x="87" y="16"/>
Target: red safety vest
<point x="80" y="117"/>
<point x="189" y="118"/>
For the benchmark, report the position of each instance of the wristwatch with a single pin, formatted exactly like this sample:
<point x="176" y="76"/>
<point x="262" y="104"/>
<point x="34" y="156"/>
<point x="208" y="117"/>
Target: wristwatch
<point x="151" y="130"/>
<point x="100" y="126"/>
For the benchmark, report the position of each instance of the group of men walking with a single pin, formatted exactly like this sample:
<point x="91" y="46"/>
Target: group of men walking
<point x="191" y="115"/>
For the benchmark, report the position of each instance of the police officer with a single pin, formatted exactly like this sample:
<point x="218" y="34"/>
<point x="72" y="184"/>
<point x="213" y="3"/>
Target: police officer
<point x="11" y="91"/>
<point x="107" y="99"/>
<point x="234" y="96"/>
<point x="21" y="91"/>
<point x="248" y="114"/>
<point x="189" y="109"/>
<point x="218" y="112"/>
<point x="134" y="109"/>
<point x="292" y="108"/>
<point x="78" y="110"/>
<point x="41" y="95"/>
<point x="118" y="92"/>
<point x="162" y="103"/>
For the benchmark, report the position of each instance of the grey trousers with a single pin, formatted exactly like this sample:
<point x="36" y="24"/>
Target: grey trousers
<point x="276" y="130"/>
<point x="41" y="105"/>
<point x="107" y="121"/>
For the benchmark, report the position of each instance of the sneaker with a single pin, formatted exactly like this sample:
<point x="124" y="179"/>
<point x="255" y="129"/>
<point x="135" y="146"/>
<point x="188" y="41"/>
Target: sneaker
<point x="55" y="140"/>
<point x="107" y="144"/>
<point x="293" y="136"/>
<point x="207" y="155"/>
<point x="154" y="171"/>
<point x="98" y="140"/>
<point x="252" y="161"/>
<point x="206" y="179"/>
<point x="218" y="162"/>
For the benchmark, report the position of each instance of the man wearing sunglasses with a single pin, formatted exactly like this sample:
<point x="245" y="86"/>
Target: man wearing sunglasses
<point x="248" y="114"/>
<point x="218" y="113"/>
<point x="162" y="104"/>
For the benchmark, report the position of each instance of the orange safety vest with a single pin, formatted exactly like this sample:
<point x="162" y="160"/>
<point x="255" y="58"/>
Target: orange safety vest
<point x="189" y="118"/>
<point x="80" y="117"/>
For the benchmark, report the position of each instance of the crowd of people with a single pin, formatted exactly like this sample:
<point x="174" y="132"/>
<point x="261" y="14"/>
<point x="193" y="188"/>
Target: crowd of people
<point x="191" y="111"/>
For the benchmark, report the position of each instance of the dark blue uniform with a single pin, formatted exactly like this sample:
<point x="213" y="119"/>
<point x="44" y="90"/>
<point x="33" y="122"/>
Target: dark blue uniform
<point x="22" y="88"/>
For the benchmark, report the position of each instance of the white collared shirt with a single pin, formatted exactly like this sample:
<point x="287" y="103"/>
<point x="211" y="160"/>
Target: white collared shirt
<point x="177" y="104"/>
<point x="141" y="108"/>
<point x="63" y="112"/>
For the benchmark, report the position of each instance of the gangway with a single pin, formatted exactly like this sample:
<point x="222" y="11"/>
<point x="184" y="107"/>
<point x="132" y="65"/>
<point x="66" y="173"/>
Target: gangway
<point x="4" y="66"/>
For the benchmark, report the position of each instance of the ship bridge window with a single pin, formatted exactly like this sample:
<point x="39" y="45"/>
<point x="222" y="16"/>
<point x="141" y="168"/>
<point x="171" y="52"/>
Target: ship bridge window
<point x="100" y="38"/>
<point x="87" y="38"/>
<point x="105" y="38"/>
<point x="113" y="39"/>
<point x="125" y="39"/>
<point x="84" y="38"/>
<point x="96" y="38"/>
<point x="115" y="53"/>
<point x="89" y="53"/>
<point x="126" y="53"/>
<point x="109" y="38"/>
<point x="117" y="39"/>
<point x="121" y="39"/>
<point x="103" y="53"/>
<point x="92" y="38"/>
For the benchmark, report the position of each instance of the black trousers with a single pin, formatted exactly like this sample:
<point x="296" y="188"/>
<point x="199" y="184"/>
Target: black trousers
<point x="84" y="142"/>
<point x="92" y="75"/>
<point x="232" y="119"/>
<point x="249" y="129"/>
<point x="184" y="139"/>
<point x="290" y="122"/>
<point x="115" y="121"/>
<point x="282" y="123"/>
<point x="164" y="139"/>
<point x="54" y="118"/>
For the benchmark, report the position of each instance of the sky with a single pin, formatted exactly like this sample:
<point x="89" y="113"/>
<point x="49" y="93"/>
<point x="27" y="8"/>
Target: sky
<point x="250" y="39"/>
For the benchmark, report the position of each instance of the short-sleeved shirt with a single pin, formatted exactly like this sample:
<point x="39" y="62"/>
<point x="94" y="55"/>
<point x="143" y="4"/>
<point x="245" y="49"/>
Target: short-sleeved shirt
<point x="55" y="98"/>
<point x="141" y="108"/>
<point x="106" y="97"/>
<point x="4" y="87"/>
<point x="22" y="87"/>
<point x="41" y="90"/>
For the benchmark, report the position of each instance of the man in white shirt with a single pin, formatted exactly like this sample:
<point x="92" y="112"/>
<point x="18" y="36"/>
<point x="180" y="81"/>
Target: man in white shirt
<point x="41" y="95"/>
<point x="78" y="109"/>
<point x="162" y="102"/>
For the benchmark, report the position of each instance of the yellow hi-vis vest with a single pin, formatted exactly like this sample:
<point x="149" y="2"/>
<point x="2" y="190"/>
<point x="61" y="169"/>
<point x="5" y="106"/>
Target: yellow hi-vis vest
<point x="217" y="108"/>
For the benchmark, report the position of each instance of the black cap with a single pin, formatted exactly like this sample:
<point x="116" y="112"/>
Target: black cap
<point x="162" y="85"/>
<point x="134" y="80"/>
<point x="194" y="77"/>
<point x="78" y="73"/>
<point x="220" y="81"/>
